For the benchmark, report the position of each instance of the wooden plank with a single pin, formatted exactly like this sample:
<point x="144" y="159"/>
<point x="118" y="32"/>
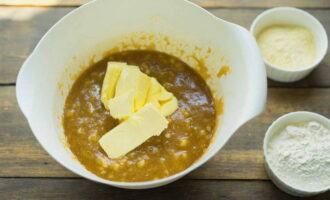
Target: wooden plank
<point x="39" y="3"/>
<point x="203" y="3"/>
<point x="262" y="3"/>
<point x="22" y="156"/>
<point x="21" y="28"/>
<point x="80" y="189"/>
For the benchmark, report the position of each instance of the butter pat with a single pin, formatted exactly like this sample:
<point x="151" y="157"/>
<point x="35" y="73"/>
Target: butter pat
<point x="122" y="106"/>
<point x="154" y="91"/>
<point x="134" y="131"/>
<point x="161" y="98"/>
<point x="169" y="107"/>
<point x="134" y="79"/>
<point x="110" y="81"/>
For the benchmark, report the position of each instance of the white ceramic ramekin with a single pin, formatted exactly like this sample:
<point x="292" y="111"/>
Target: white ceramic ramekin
<point x="294" y="16"/>
<point x="89" y="31"/>
<point x="278" y="125"/>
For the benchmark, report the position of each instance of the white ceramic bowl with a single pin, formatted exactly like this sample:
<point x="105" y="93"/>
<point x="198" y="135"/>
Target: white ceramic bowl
<point x="180" y="28"/>
<point x="294" y="16"/>
<point x="278" y="125"/>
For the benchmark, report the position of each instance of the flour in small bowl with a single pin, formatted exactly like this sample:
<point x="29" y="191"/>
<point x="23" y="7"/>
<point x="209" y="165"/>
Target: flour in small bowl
<point x="300" y="155"/>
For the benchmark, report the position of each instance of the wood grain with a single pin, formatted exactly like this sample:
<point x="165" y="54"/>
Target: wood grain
<point x="203" y="3"/>
<point x="262" y="3"/>
<point x="80" y="189"/>
<point x="22" y="156"/>
<point x="21" y="29"/>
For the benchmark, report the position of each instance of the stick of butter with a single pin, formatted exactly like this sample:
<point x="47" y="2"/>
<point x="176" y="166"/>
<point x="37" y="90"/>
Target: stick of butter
<point x="134" y="131"/>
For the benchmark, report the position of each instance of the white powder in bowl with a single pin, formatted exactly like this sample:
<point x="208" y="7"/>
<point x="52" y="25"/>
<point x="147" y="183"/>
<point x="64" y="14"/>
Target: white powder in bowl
<point x="300" y="155"/>
<point x="287" y="46"/>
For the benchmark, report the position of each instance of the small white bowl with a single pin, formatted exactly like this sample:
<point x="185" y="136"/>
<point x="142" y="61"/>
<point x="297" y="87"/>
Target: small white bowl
<point x="277" y="125"/>
<point x="294" y="16"/>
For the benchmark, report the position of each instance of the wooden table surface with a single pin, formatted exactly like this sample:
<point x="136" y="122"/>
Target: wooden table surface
<point x="236" y="172"/>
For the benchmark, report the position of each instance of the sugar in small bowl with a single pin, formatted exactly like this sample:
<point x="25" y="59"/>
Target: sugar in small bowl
<point x="297" y="153"/>
<point x="292" y="42"/>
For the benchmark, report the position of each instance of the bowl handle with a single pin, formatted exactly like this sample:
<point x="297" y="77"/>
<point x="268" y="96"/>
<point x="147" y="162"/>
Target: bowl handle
<point x="24" y="88"/>
<point x="257" y="97"/>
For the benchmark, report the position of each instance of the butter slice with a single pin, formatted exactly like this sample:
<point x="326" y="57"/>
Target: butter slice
<point x="110" y="81"/>
<point x="122" y="106"/>
<point x="131" y="78"/>
<point x="137" y="129"/>
<point x="155" y="87"/>
<point x="169" y="107"/>
<point x="161" y="98"/>
<point x="154" y="91"/>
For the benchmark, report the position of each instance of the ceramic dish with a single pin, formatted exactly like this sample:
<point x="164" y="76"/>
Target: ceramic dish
<point x="293" y="16"/>
<point x="291" y="118"/>
<point x="179" y="28"/>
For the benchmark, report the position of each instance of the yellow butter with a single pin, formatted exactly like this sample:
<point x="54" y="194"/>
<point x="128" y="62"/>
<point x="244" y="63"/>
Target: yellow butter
<point x="140" y="102"/>
<point x="169" y="107"/>
<point x="122" y="106"/>
<point x="155" y="88"/>
<point x="134" y="131"/>
<point x="161" y="98"/>
<point x="134" y="79"/>
<point x="121" y="79"/>
<point x="110" y="81"/>
<point x="154" y="91"/>
<point x="165" y="95"/>
<point x="142" y="91"/>
<point x="127" y="80"/>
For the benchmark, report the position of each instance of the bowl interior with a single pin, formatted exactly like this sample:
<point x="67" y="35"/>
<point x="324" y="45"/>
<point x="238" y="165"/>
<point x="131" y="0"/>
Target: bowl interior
<point x="178" y="28"/>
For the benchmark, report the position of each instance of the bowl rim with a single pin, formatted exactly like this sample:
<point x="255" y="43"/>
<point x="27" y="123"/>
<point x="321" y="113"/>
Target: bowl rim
<point x="307" y="14"/>
<point x="282" y="120"/>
